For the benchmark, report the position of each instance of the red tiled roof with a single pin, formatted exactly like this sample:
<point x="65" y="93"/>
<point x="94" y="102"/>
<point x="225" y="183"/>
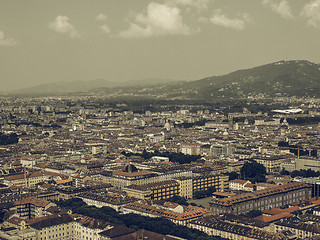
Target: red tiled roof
<point x="34" y="201"/>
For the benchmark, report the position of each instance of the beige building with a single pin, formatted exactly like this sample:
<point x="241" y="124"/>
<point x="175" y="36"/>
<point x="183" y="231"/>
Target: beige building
<point x="28" y="180"/>
<point x="186" y="188"/>
<point x="235" y="230"/>
<point x="306" y="226"/>
<point x="31" y="207"/>
<point x="308" y="162"/>
<point x="263" y="199"/>
<point x="154" y="191"/>
<point x="238" y="184"/>
<point x="272" y="164"/>
<point x="57" y="227"/>
<point x="190" y="148"/>
<point x="203" y="182"/>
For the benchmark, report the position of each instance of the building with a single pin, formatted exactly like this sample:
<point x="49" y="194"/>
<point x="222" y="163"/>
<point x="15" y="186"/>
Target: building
<point x="186" y="187"/>
<point x="221" y="150"/>
<point x="31" y="207"/>
<point x="304" y="226"/>
<point x="176" y="213"/>
<point x="238" y="184"/>
<point x="272" y="164"/>
<point x="190" y="148"/>
<point x="129" y="176"/>
<point x="234" y="227"/>
<point x="154" y="191"/>
<point x="28" y="179"/>
<point x="203" y="182"/>
<point x="57" y="227"/>
<point x="308" y="162"/>
<point x="263" y="199"/>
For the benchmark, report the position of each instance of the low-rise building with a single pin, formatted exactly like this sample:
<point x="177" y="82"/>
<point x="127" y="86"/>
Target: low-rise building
<point x="263" y="199"/>
<point x="27" y="180"/>
<point x="176" y="213"/>
<point x="155" y="191"/>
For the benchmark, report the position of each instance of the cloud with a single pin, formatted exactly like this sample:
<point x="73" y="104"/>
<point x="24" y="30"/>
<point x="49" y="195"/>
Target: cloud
<point x="4" y="41"/>
<point x="157" y="20"/>
<point x="105" y="28"/>
<point x="219" y="18"/>
<point x="62" y="25"/>
<point x="200" y="4"/>
<point x="281" y="7"/>
<point x="101" y="17"/>
<point x="311" y="11"/>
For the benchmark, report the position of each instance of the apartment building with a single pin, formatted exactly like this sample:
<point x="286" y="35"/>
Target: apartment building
<point x="263" y="199"/>
<point x="229" y="227"/>
<point x="27" y="180"/>
<point x="31" y="207"/>
<point x="155" y="191"/>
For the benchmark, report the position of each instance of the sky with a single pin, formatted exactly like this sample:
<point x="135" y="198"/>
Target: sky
<point x="44" y="41"/>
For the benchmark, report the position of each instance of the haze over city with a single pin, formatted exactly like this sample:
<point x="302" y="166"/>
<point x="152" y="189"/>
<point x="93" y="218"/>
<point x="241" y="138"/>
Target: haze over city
<point x="45" y="41"/>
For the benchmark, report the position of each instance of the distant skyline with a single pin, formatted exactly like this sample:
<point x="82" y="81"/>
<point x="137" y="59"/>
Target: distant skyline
<point x="44" y="41"/>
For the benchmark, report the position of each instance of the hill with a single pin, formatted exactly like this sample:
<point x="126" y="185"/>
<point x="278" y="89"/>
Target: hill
<point x="82" y="87"/>
<point x="284" y="78"/>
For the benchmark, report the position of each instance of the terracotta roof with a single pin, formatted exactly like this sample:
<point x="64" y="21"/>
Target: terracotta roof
<point x="15" y="220"/>
<point x="34" y="201"/>
<point x="190" y="212"/>
<point x="268" y="219"/>
<point x="48" y="221"/>
<point x="262" y="193"/>
<point x="21" y="176"/>
<point x="273" y="211"/>
<point x="239" y="181"/>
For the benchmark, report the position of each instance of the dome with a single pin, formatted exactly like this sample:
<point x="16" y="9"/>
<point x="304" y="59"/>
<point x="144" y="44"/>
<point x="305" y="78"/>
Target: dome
<point x="130" y="168"/>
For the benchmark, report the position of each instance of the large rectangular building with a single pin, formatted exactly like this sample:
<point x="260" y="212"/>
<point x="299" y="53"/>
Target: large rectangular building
<point x="263" y="199"/>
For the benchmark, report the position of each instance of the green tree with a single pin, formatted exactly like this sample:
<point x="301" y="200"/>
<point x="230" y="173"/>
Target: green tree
<point x="253" y="213"/>
<point x="233" y="175"/>
<point x="253" y="171"/>
<point x="179" y="200"/>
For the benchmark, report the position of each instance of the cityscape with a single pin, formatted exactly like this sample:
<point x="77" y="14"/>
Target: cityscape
<point x="240" y="175"/>
<point x="160" y="120"/>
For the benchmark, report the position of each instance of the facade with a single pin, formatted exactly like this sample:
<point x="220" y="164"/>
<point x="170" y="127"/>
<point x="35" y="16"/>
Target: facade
<point x="308" y="162"/>
<point x="263" y="199"/>
<point x="306" y="226"/>
<point x="31" y="207"/>
<point x="176" y="213"/>
<point x="116" y="202"/>
<point x="228" y="228"/>
<point x="221" y="150"/>
<point x="203" y="182"/>
<point x="272" y="164"/>
<point x="190" y="148"/>
<point x="186" y="187"/>
<point x="238" y="184"/>
<point x="87" y="228"/>
<point x="57" y="227"/>
<point x="154" y="191"/>
<point x="183" y="186"/>
<point x="121" y="179"/>
<point x="28" y="180"/>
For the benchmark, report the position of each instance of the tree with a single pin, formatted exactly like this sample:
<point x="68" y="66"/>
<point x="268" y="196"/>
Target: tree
<point x="233" y="175"/>
<point x="179" y="200"/>
<point x="204" y="193"/>
<point x="253" y="213"/>
<point x="284" y="172"/>
<point x="253" y="171"/>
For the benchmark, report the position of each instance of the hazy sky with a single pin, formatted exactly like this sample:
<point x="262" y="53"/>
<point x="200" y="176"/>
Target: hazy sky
<point x="45" y="41"/>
